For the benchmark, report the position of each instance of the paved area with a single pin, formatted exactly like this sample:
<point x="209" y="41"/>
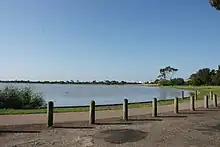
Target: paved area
<point x="187" y="129"/>
<point x="83" y="116"/>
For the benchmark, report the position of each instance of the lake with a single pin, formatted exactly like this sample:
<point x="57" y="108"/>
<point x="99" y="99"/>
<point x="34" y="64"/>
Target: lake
<point x="76" y="95"/>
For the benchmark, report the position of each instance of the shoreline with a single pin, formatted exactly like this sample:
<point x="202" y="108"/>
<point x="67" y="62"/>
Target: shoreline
<point x="63" y="109"/>
<point x="70" y="83"/>
<point x="204" y="90"/>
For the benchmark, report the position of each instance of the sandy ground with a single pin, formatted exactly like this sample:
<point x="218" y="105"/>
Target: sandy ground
<point x="187" y="129"/>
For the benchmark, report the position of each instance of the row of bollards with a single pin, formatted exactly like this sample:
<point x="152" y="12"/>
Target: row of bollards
<point x="125" y="107"/>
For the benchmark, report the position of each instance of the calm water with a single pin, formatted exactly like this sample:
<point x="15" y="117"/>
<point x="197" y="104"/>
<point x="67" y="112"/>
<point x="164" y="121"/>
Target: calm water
<point x="74" y="95"/>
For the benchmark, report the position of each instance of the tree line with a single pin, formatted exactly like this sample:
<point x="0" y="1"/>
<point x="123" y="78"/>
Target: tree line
<point x="204" y="76"/>
<point x="106" y="82"/>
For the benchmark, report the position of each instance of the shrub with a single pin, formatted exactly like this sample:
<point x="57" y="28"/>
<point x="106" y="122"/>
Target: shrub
<point x="164" y="82"/>
<point x="20" y="98"/>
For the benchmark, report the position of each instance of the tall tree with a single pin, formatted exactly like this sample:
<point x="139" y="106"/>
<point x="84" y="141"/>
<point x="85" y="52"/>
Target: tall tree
<point x="167" y="73"/>
<point x="195" y="80"/>
<point x="205" y="76"/>
<point x="216" y="77"/>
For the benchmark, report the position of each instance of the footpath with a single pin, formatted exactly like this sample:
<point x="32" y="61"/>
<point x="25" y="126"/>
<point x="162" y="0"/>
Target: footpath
<point x="83" y="116"/>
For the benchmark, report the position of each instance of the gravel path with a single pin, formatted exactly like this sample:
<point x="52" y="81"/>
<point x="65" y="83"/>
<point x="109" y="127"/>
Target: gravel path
<point x="187" y="129"/>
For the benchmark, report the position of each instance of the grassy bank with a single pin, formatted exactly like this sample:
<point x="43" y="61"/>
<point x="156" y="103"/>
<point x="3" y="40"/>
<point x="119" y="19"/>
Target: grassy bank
<point x="83" y="109"/>
<point x="203" y="90"/>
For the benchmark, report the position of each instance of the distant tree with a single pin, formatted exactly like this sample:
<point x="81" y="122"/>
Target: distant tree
<point x="156" y="81"/>
<point x="146" y="82"/>
<point x="164" y="82"/>
<point x="216" y="77"/>
<point x="167" y="73"/>
<point x="177" y="81"/>
<point x="61" y="82"/>
<point x="203" y="76"/>
<point x="114" y="82"/>
<point x="194" y="80"/>
<point x="107" y="82"/>
<point x="123" y="82"/>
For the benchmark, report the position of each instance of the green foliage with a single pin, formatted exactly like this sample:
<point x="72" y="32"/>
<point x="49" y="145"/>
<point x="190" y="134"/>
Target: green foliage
<point x="173" y="82"/>
<point x="164" y="82"/>
<point x="215" y="4"/>
<point x="195" y="80"/>
<point x="13" y="97"/>
<point x="216" y="77"/>
<point x="85" y="109"/>
<point x="177" y="81"/>
<point x="155" y="82"/>
<point x="165" y="77"/>
<point x="167" y="72"/>
<point x="205" y="76"/>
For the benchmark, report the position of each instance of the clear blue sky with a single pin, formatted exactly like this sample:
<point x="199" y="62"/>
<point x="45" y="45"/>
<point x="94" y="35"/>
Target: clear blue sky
<point x="106" y="39"/>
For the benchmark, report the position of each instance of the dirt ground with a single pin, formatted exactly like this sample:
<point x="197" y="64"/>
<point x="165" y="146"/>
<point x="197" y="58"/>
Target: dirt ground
<point x="187" y="129"/>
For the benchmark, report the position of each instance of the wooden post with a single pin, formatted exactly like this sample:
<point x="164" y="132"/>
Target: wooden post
<point x="196" y="95"/>
<point x="182" y="94"/>
<point x="206" y="101"/>
<point x="50" y="114"/>
<point x="192" y="103"/>
<point x="125" y="110"/>
<point x="176" y="105"/>
<point x="211" y="95"/>
<point x="154" y="107"/>
<point x="92" y="112"/>
<point x="215" y="100"/>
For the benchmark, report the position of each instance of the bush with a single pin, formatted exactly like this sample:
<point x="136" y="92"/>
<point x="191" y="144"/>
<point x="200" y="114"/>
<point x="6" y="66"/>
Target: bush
<point x="171" y="82"/>
<point x="164" y="82"/>
<point x="23" y="98"/>
<point x="177" y="81"/>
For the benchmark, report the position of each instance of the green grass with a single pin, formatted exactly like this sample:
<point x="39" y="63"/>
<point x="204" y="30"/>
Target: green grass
<point x="84" y="109"/>
<point x="203" y="90"/>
